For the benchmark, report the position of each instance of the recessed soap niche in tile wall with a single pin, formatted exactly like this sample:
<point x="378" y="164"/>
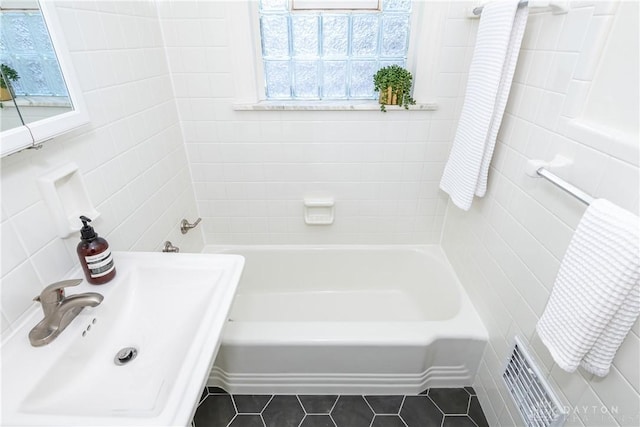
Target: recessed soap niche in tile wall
<point x="67" y="198"/>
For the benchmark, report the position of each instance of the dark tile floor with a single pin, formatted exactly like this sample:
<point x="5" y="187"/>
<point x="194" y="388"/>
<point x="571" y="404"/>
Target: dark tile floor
<point x="437" y="407"/>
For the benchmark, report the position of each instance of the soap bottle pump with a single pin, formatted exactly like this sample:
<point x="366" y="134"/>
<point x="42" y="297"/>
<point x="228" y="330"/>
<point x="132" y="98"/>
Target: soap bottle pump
<point x="95" y="255"/>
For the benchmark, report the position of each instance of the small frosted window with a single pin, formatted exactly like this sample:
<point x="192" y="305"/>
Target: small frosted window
<point x="331" y="54"/>
<point x="26" y="47"/>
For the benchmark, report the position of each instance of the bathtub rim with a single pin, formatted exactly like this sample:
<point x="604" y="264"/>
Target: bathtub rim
<point x="466" y="324"/>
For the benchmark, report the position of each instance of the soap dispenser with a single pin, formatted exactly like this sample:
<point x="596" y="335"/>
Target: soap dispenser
<point x="95" y="256"/>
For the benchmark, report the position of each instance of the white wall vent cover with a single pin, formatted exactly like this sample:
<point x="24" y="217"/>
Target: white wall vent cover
<point x="531" y="393"/>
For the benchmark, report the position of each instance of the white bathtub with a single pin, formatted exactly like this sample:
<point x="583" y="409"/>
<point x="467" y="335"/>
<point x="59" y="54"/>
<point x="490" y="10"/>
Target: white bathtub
<point x="347" y="319"/>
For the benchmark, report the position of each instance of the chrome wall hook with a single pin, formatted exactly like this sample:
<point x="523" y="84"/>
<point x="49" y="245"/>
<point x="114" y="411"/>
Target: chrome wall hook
<point x="185" y="226"/>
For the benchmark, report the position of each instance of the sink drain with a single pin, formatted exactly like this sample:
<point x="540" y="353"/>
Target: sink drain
<point x="125" y="355"/>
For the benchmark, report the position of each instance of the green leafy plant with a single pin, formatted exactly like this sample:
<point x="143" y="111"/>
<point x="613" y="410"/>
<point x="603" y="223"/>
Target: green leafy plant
<point x="394" y="84"/>
<point x="9" y="74"/>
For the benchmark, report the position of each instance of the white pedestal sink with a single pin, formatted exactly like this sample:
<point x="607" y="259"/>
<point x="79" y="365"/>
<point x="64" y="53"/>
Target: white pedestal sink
<point x="170" y="307"/>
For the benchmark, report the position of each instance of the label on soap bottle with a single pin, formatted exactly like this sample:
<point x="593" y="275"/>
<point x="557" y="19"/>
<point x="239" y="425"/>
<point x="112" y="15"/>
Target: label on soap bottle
<point x="101" y="264"/>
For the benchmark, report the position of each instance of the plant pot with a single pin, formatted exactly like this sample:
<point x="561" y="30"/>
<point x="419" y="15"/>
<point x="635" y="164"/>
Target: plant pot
<point x="388" y="97"/>
<point x="5" y="95"/>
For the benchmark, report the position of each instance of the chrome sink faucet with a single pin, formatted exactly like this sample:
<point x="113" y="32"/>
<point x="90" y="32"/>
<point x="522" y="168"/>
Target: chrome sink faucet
<point x="59" y="311"/>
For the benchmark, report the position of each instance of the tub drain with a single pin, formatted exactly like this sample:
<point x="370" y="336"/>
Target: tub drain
<point x="125" y="355"/>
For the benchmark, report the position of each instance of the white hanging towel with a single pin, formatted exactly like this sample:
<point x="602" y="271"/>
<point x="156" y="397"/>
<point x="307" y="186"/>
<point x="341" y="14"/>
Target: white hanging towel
<point x="498" y="41"/>
<point x="596" y="296"/>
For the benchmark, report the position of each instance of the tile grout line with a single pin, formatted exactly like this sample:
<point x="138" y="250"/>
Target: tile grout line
<point x="372" y="411"/>
<point x="233" y="402"/>
<point x="469" y="408"/>
<point x="231" y="421"/>
<point x="265" y="407"/>
<point x="303" y="410"/>
<point x="331" y="411"/>
<point x="444" y="416"/>
<point x="400" y="410"/>
<point x="401" y="405"/>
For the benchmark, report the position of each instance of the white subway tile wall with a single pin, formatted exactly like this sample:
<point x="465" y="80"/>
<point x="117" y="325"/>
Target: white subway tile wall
<point x="252" y="169"/>
<point x="131" y="155"/>
<point x="508" y="247"/>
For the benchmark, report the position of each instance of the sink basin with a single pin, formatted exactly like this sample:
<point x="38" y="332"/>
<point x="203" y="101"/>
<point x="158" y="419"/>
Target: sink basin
<point x="170" y="308"/>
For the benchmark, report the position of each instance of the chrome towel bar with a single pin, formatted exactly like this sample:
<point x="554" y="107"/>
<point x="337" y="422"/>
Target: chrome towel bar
<point x="557" y="7"/>
<point x="565" y="186"/>
<point x="478" y="10"/>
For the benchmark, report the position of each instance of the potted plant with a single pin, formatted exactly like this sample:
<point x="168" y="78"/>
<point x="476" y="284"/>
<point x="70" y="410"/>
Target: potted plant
<point x="10" y="75"/>
<point x="394" y="84"/>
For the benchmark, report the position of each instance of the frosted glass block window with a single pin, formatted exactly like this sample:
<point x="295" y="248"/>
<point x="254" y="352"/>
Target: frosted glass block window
<point x="278" y="74"/>
<point x="364" y="35"/>
<point x="334" y="79"/>
<point x="304" y="35"/>
<point x="396" y="5"/>
<point x="305" y="79"/>
<point x="362" y="78"/>
<point x="335" y="36"/>
<point x="330" y="54"/>
<point x="395" y="32"/>
<point x="26" y="47"/>
<point x="275" y="36"/>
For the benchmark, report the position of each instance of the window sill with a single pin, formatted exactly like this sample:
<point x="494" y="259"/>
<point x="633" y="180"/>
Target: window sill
<point x="38" y="101"/>
<point x="351" y="105"/>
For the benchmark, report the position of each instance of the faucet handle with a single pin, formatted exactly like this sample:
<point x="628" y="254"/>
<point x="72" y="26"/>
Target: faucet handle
<point x="54" y="293"/>
<point x="185" y="226"/>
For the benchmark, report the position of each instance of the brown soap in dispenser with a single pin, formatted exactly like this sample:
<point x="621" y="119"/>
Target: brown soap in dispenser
<point x="95" y="256"/>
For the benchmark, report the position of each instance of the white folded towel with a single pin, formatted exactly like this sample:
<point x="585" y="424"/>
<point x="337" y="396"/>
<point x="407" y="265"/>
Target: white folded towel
<point x="498" y="41"/>
<point x="596" y="297"/>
